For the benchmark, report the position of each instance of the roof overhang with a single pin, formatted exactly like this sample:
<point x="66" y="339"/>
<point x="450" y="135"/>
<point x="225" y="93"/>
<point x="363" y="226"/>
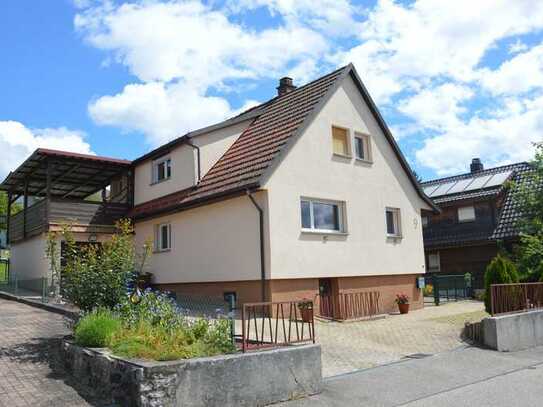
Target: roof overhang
<point x="72" y="175"/>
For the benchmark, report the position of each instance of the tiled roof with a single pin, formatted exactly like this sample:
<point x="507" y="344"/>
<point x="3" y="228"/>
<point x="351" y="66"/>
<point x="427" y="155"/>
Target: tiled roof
<point x="510" y="214"/>
<point x="250" y="158"/>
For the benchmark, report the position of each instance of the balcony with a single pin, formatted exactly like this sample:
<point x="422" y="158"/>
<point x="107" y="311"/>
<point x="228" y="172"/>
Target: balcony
<point x="40" y="216"/>
<point x="90" y="193"/>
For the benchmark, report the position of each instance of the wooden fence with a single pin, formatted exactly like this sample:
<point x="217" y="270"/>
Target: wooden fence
<point x="510" y="298"/>
<point x="350" y="305"/>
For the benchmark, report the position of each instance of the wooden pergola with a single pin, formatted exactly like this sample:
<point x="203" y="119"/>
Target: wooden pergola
<point x="61" y="175"/>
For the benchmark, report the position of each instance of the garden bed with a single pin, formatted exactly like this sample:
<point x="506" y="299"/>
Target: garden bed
<point x="250" y="379"/>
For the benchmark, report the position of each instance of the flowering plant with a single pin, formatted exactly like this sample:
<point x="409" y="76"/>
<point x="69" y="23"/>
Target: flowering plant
<point x="402" y="299"/>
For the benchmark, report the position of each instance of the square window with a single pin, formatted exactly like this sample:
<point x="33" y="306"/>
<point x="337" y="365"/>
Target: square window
<point x="393" y="222"/>
<point x="163" y="237"/>
<point x="162" y="170"/>
<point x="340" y="139"/>
<point x="362" y="147"/>
<point x="466" y="214"/>
<point x="434" y="262"/>
<point x="322" y="215"/>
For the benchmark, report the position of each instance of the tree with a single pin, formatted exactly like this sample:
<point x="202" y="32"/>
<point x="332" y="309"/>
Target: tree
<point x="528" y="198"/>
<point x="15" y="207"/>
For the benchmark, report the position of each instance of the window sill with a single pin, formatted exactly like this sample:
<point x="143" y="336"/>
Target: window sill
<point x="323" y="232"/>
<point x="162" y="251"/>
<point x="364" y="161"/>
<point x="160" y="182"/>
<point x="395" y="237"/>
<point x="347" y="157"/>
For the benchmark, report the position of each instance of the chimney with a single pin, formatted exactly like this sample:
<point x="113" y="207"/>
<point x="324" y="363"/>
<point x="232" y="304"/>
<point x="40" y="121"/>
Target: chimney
<point x="285" y="86"/>
<point x="476" y="165"/>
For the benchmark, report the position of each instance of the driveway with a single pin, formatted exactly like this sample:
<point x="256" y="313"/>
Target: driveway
<point x="464" y="377"/>
<point x="26" y="377"/>
<point x="350" y="346"/>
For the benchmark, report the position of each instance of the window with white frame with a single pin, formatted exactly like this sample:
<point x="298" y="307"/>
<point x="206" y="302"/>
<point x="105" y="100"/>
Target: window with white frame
<point x="434" y="262"/>
<point x="163" y="237"/>
<point x="466" y="214"/>
<point x="340" y="141"/>
<point x="162" y="169"/>
<point x="393" y="222"/>
<point x="424" y="221"/>
<point x="321" y="215"/>
<point x="362" y="147"/>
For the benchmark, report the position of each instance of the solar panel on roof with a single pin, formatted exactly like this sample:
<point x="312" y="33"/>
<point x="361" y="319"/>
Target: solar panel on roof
<point x="443" y="188"/>
<point x="430" y="189"/>
<point x="498" y="179"/>
<point x="460" y="186"/>
<point x="478" y="183"/>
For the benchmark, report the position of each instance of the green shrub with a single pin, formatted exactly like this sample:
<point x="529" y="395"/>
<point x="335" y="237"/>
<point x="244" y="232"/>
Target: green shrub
<point x="156" y="342"/>
<point x="501" y="270"/>
<point x="155" y="308"/>
<point x="96" y="328"/>
<point x="97" y="276"/>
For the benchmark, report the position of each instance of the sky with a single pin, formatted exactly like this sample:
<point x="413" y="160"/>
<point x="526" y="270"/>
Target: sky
<point x="453" y="80"/>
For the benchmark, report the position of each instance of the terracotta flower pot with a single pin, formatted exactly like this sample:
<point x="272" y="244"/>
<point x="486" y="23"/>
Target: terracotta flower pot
<point x="307" y="314"/>
<point x="404" y="308"/>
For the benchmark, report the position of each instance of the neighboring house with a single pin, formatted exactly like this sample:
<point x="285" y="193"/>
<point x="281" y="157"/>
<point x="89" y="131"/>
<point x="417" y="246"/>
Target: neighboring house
<point x="477" y="215"/>
<point x="305" y="193"/>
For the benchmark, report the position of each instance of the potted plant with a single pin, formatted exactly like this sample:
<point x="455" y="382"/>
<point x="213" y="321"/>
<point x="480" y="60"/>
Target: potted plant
<point x="403" y="303"/>
<point x="306" y="310"/>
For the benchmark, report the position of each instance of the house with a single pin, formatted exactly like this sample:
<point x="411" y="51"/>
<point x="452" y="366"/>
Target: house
<point x="304" y="194"/>
<point x="477" y="216"/>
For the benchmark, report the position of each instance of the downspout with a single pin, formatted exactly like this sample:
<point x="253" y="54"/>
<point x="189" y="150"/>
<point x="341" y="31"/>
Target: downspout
<point x="198" y="157"/>
<point x="261" y="232"/>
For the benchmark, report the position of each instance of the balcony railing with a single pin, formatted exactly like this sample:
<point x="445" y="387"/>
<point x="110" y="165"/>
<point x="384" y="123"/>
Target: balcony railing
<point x="56" y="211"/>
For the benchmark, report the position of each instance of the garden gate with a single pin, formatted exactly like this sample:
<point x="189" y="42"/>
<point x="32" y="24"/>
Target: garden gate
<point x="444" y="288"/>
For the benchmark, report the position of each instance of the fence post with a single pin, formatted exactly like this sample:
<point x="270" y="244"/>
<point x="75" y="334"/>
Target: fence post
<point x="436" y="289"/>
<point x="492" y="300"/>
<point x="243" y="328"/>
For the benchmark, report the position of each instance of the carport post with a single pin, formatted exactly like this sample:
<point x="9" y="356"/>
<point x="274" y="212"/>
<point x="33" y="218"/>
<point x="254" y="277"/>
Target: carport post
<point x="436" y="289"/>
<point x="8" y="216"/>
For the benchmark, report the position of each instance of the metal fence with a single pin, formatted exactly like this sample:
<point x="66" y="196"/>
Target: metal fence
<point x="352" y="305"/>
<point x="37" y="288"/>
<point x="447" y="287"/>
<point x="272" y="324"/>
<point x="519" y="297"/>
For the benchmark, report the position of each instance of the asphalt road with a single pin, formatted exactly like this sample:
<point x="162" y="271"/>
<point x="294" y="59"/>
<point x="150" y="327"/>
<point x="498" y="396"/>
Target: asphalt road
<point x="467" y="376"/>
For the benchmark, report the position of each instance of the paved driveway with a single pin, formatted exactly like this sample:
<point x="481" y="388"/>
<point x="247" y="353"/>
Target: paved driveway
<point x="26" y="378"/>
<point x="350" y="346"/>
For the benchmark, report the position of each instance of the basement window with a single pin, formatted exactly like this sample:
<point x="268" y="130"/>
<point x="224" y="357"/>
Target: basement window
<point x="163" y="237"/>
<point x="162" y="170"/>
<point x="322" y="216"/>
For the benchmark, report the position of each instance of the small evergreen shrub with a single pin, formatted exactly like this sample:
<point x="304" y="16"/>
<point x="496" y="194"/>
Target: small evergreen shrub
<point x="96" y="328"/>
<point x="501" y="270"/>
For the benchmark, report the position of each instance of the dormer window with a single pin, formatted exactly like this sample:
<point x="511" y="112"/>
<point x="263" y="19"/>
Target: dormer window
<point x="162" y="169"/>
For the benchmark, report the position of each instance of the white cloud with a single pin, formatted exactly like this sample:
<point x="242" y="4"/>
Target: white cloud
<point x="520" y="74"/>
<point x="517" y="46"/>
<point x="161" y="111"/>
<point x="502" y="139"/>
<point x="17" y="142"/>
<point x="430" y="39"/>
<point x="437" y="108"/>
<point x="166" y="41"/>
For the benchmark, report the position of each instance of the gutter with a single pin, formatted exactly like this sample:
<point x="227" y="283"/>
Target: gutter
<point x="261" y="232"/>
<point x="194" y="146"/>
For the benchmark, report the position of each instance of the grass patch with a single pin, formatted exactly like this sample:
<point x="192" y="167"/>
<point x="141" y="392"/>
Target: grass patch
<point x="96" y="329"/>
<point x="3" y="271"/>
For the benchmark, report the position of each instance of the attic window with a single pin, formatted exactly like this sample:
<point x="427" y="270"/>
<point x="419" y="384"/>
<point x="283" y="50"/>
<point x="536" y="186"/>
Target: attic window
<point x="162" y="170"/>
<point x="340" y="140"/>
<point x="362" y="147"/>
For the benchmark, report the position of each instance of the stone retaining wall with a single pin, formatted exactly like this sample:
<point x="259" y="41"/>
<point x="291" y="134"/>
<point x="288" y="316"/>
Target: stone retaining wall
<point x="508" y="333"/>
<point x="250" y="379"/>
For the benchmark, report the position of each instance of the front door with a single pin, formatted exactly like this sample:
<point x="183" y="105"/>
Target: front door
<point x="325" y="298"/>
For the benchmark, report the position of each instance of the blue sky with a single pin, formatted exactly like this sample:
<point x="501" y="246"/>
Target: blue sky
<point x="454" y="81"/>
